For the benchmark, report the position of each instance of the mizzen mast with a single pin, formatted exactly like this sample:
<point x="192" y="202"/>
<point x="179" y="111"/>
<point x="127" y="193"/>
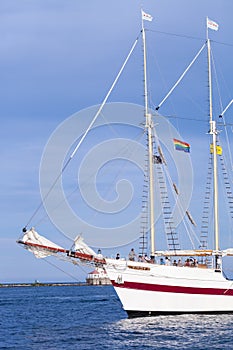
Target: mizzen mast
<point x="213" y="131"/>
<point x="149" y="126"/>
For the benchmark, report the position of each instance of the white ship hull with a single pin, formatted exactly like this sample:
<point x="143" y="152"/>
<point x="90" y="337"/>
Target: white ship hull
<point x="151" y="289"/>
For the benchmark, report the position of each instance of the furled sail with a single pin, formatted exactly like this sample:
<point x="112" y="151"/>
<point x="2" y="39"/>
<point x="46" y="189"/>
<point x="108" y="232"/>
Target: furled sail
<point x="40" y="246"/>
<point x="81" y="247"/>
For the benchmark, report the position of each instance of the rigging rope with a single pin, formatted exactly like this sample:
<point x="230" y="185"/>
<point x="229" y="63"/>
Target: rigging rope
<point x="87" y="131"/>
<point x="181" y="77"/>
<point x="227" y="136"/>
<point x="66" y="273"/>
<point x="176" y="197"/>
<point x="223" y="112"/>
<point x="188" y="37"/>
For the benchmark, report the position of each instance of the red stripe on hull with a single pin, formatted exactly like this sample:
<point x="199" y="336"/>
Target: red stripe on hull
<point x="173" y="289"/>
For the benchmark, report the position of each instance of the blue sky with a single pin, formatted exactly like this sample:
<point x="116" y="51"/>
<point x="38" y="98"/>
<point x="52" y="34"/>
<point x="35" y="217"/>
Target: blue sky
<point x="59" y="57"/>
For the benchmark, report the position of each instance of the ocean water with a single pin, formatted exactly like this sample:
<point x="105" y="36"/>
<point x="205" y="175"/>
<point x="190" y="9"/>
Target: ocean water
<point x="91" y="317"/>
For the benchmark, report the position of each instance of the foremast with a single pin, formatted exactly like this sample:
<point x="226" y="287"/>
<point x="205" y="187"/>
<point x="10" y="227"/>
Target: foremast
<point x="149" y="127"/>
<point x="213" y="132"/>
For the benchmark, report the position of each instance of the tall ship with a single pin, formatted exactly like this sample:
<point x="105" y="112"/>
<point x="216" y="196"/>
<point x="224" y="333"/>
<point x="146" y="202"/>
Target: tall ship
<point x="174" y="280"/>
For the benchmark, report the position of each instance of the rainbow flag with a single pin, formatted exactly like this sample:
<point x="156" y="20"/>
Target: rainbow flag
<point x="181" y="146"/>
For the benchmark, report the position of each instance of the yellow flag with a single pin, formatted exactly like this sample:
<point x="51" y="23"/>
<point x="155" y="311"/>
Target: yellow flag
<point x="218" y="149"/>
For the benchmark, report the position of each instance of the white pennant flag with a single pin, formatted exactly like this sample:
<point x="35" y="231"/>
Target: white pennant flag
<point x="211" y="24"/>
<point x="146" y="16"/>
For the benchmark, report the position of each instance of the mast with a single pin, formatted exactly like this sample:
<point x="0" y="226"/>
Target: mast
<point x="149" y="126"/>
<point x="213" y="132"/>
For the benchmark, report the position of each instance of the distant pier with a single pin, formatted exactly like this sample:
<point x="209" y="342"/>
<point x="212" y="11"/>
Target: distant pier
<point x="40" y="284"/>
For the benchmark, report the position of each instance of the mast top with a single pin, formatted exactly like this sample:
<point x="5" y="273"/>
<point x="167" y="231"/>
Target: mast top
<point x="145" y="17"/>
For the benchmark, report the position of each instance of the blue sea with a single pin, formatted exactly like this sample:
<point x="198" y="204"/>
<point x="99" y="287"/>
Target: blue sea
<point x="91" y="317"/>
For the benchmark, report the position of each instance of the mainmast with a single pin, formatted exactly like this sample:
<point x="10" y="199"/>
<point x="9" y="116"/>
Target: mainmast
<point x="213" y="131"/>
<point x="149" y="126"/>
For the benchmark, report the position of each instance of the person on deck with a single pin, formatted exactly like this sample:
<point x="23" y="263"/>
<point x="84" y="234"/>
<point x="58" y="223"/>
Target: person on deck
<point x="162" y="261"/>
<point x="187" y="262"/>
<point x="179" y="263"/>
<point x="132" y="255"/>
<point x="146" y="258"/>
<point x="195" y="263"/>
<point x="99" y="254"/>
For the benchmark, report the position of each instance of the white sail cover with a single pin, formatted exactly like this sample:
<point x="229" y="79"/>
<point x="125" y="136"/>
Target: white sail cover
<point x="32" y="237"/>
<point x="81" y="247"/>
